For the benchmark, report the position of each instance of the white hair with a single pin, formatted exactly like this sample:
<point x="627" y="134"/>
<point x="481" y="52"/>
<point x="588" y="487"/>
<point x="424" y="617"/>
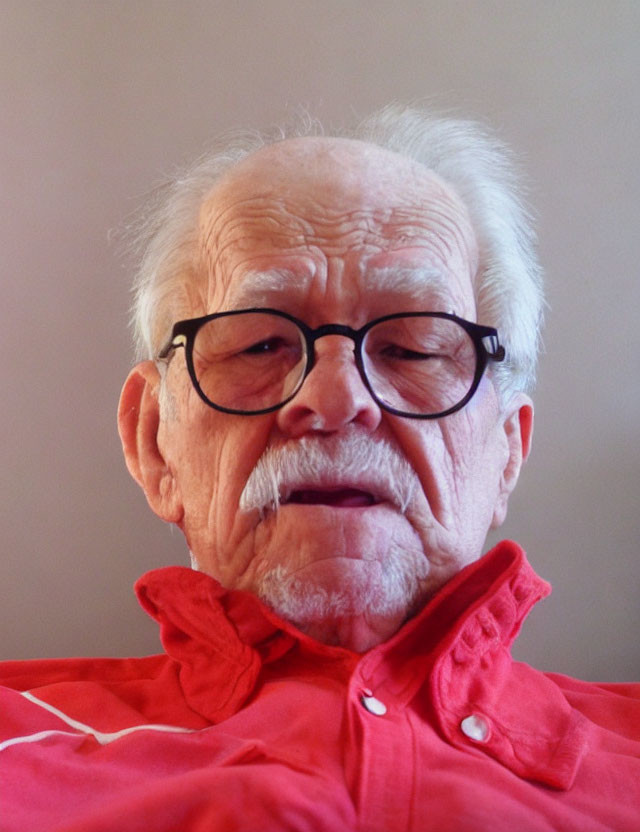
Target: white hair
<point x="465" y="154"/>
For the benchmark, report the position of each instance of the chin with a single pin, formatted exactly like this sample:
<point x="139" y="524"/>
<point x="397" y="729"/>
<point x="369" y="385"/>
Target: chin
<point x="345" y="588"/>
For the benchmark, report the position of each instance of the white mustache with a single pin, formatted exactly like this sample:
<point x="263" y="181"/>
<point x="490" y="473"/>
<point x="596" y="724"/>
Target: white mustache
<point x="349" y="461"/>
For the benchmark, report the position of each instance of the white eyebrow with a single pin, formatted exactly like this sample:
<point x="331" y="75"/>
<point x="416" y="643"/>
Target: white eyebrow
<point x="256" y="288"/>
<point x="417" y="283"/>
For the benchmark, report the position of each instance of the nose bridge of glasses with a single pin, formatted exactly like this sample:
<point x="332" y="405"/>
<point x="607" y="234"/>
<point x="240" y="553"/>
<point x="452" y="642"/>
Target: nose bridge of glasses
<point x="334" y="329"/>
<point x="335" y="380"/>
<point x="335" y="345"/>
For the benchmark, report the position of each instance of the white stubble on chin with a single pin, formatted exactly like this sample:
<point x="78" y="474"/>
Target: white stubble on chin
<point x="389" y="586"/>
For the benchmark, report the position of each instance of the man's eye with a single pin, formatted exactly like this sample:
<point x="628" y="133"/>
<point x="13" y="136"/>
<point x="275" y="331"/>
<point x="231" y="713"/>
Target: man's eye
<point x="405" y="354"/>
<point x="268" y="345"/>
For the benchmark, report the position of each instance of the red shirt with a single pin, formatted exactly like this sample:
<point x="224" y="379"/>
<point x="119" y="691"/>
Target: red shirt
<point x="247" y="724"/>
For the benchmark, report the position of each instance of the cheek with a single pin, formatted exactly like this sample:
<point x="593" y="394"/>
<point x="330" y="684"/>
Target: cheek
<point x="475" y="448"/>
<point x="455" y="458"/>
<point x="218" y="453"/>
<point x="236" y="450"/>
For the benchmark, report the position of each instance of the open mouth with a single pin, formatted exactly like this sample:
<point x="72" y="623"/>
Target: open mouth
<point x="336" y="497"/>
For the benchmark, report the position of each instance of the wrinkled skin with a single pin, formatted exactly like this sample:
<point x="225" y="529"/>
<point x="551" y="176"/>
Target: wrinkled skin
<point x="328" y="215"/>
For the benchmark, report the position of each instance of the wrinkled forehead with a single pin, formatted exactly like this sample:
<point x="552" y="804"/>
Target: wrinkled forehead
<point x="330" y="200"/>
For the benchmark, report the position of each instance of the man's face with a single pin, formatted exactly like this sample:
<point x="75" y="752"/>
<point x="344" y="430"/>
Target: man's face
<point x="333" y="231"/>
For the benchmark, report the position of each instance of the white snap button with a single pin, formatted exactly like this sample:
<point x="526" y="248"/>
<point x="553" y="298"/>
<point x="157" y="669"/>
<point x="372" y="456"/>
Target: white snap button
<point x="373" y="705"/>
<point x="475" y="727"/>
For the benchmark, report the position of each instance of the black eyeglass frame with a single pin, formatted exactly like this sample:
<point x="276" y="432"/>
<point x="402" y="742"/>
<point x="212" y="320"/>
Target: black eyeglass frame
<point x="184" y="334"/>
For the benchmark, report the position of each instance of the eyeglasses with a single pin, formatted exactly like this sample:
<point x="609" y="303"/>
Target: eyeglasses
<point x="422" y="365"/>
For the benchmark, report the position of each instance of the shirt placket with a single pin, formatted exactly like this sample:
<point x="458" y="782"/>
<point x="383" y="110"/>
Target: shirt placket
<point x="380" y="750"/>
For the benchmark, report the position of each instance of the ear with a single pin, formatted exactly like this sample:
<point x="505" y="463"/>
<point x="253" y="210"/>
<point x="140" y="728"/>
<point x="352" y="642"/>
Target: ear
<point x="138" y="423"/>
<point x="518" y="430"/>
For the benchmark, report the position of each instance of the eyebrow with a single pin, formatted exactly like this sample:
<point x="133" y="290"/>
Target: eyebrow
<point x="419" y="284"/>
<point x="411" y="281"/>
<point x="256" y="288"/>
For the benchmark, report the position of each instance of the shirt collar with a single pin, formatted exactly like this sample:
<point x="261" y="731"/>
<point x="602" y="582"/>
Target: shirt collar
<point x="455" y="652"/>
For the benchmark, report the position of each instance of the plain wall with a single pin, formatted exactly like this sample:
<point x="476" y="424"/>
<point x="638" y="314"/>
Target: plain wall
<point x="99" y="99"/>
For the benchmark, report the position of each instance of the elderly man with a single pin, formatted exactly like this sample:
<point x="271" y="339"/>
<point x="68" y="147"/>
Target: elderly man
<point x="340" y="336"/>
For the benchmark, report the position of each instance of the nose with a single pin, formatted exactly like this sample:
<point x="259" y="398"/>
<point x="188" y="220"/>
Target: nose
<point x="333" y="395"/>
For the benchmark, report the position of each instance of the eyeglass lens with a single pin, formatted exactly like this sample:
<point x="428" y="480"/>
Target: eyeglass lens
<point x="255" y="360"/>
<point x="249" y="362"/>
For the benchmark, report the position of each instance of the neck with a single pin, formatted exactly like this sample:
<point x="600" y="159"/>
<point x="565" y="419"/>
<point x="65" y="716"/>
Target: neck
<point x="355" y="633"/>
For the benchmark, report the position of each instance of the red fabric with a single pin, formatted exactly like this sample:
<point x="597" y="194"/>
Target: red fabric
<point x="246" y="724"/>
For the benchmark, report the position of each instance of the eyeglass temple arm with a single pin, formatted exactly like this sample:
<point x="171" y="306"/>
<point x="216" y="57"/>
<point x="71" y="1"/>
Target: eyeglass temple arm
<point x="172" y="344"/>
<point x="495" y="351"/>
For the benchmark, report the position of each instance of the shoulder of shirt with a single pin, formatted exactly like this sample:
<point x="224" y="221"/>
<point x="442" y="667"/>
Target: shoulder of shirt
<point x="28" y="674"/>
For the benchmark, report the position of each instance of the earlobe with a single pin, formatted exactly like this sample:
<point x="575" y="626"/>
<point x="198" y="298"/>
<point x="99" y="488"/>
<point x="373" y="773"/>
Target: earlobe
<point x="518" y="432"/>
<point x="138" y="423"/>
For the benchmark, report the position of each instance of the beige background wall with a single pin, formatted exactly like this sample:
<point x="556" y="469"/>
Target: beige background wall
<point x="99" y="98"/>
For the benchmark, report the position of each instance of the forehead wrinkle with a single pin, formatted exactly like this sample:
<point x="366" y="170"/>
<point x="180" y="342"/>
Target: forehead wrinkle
<point x="335" y="234"/>
<point x="305" y="211"/>
<point x="306" y="223"/>
<point x="267" y="213"/>
<point x="442" y="228"/>
<point x="230" y="229"/>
